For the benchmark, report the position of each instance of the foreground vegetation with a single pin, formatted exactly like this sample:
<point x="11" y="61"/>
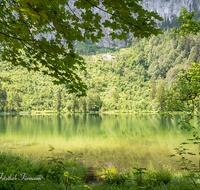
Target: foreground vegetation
<point x="18" y="172"/>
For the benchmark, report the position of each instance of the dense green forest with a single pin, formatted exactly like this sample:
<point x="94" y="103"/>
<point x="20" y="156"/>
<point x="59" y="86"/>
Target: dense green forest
<point x="124" y="79"/>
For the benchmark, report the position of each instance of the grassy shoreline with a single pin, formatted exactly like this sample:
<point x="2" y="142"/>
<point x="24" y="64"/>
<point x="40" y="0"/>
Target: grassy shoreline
<point x="53" y="112"/>
<point x="49" y="112"/>
<point x="19" y="172"/>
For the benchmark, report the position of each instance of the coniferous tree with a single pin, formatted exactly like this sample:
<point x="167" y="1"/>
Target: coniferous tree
<point x="187" y="48"/>
<point x="83" y="104"/>
<point x="152" y="87"/>
<point x="196" y="53"/>
<point x="183" y="44"/>
<point x="180" y="47"/>
<point x="59" y="104"/>
<point x="160" y="96"/>
<point x="18" y="101"/>
<point x="115" y="95"/>
<point x="3" y="97"/>
<point x="172" y="55"/>
<point x="75" y="104"/>
<point x="192" y="43"/>
<point x="174" y="43"/>
<point x="11" y="102"/>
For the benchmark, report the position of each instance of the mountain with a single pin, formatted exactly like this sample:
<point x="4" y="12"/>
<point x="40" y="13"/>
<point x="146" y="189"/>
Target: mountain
<point x="167" y="9"/>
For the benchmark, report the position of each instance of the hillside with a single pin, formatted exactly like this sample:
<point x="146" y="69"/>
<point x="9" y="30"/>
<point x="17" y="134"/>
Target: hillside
<point x="119" y="80"/>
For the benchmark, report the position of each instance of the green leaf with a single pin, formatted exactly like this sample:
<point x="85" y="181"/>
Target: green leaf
<point x="184" y="143"/>
<point x="172" y="155"/>
<point x="70" y="152"/>
<point x="51" y="148"/>
<point x="191" y="153"/>
<point x="66" y="174"/>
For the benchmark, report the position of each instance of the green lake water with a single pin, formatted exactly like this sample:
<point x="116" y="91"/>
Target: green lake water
<point x="124" y="141"/>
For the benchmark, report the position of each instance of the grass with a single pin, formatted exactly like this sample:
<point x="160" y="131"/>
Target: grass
<point x="18" y="172"/>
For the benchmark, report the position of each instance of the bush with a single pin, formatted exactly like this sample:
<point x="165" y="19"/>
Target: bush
<point x="117" y="179"/>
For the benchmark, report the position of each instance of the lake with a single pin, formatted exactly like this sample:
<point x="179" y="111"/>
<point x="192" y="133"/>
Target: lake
<point x="124" y="141"/>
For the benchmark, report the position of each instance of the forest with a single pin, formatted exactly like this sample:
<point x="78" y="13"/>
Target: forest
<point x="131" y="79"/>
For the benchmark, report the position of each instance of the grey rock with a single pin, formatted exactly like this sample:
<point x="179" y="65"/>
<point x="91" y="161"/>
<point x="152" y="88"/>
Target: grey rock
<point x="167" y="9"/>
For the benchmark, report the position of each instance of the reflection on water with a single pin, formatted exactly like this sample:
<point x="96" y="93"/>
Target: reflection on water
<point x="121" y="140"/>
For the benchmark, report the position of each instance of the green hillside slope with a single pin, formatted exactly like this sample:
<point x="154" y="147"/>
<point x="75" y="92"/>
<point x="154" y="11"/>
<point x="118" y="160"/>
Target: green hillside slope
<point x="118" y="80"/>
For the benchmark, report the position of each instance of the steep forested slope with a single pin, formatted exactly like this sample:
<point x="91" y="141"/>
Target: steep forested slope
<point x="119" y="80"/>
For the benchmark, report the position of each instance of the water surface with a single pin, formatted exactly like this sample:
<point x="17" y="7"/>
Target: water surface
<point x="123" y="141"/>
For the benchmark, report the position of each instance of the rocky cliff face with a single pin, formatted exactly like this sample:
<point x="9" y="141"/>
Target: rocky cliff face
<point x="105" y="41"/>
<point x="167" y="9"/>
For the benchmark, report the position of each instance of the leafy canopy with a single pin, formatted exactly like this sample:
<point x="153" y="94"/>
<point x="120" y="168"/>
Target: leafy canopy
<point x="189" y="25"/>
<point x="22" y="20"/>
<point x="187" y="87"/>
